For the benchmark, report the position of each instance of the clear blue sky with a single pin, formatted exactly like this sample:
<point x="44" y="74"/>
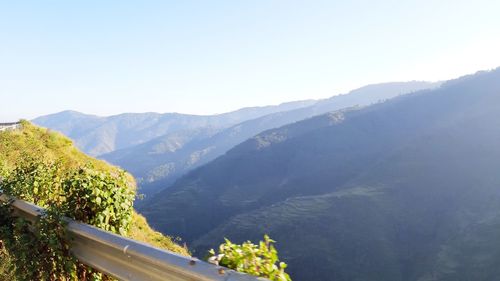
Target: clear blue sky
<point x="107" y="57"/>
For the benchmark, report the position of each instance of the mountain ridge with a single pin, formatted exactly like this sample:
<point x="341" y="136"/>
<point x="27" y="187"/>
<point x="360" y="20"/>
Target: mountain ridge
<point x="160" y="170"/>
<point x="96" y="135"/>
<point x="402" y="190"/>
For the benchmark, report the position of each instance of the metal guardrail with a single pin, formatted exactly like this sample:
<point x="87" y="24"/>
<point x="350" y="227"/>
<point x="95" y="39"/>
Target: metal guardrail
<point x="10" y="126"/>
<point x="127" y="259"/>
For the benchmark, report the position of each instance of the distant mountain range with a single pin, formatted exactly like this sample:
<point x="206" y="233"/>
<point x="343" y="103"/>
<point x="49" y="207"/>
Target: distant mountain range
<point x="159" y="148"/>
<point x="407" y="189"/>
<point x="97" y="135"/>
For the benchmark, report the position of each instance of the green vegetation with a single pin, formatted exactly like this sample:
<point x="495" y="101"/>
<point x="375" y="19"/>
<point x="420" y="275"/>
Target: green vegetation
<point x="259" y="260"/>
<point x="39" y="249"/>
<point x="140" y="230"/>
<point x="6" y="265"/>
<point x="43" y="167"/>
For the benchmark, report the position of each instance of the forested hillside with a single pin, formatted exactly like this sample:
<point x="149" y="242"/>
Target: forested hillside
<point x="159" y="162"/>
<point x="408" y="189"/>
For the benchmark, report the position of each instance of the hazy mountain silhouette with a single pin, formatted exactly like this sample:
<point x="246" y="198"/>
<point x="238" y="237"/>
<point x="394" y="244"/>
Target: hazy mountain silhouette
<point x="408" y="189"/>
<point x="159" y="162"/>
<point x="97" y="135"/>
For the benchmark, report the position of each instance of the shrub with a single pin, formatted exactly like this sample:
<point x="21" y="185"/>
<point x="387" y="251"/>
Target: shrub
<point x="40" y="249"/>
<point x="259" y="260"/>
<point x="68" y="183"/>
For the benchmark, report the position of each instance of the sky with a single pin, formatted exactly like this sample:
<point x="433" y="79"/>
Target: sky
<point x="208" y="57"/>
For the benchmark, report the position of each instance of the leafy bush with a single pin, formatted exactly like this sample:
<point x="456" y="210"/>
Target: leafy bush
<point x="6" y="264"/>
<point x="259" y="260"/>
<point x="98" y="198"/>
<point x="43" y="167"/>
<point x="42" y="252"/>
<point x="39" y="250"/>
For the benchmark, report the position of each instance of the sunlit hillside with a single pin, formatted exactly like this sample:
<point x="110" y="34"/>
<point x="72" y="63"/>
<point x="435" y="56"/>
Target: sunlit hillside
<point x="35" y="142"/>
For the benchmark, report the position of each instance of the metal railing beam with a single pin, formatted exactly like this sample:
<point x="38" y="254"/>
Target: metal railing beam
<point x="127" y="259"/>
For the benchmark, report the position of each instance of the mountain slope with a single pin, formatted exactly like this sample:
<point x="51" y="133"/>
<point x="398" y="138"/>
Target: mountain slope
<point x="97" y="135"/>
<point x="407" y="189"/>
<point x="34" y="142"/>
<point x="158" y="167"/>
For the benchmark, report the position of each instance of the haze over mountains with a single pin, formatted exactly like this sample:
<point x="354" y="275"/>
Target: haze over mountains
<point x="361" y="137"/>
<point x="96" y="135"/>
<point x="351" y="188"/>
<point x="159" y="148"/>
<point x="408" y="189"/>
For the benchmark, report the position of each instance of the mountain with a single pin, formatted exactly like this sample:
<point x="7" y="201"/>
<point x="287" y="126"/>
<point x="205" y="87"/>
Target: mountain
<point x="159" y="162"/>
<point x="96" y="135"/>
<point x="407" y="189"/>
